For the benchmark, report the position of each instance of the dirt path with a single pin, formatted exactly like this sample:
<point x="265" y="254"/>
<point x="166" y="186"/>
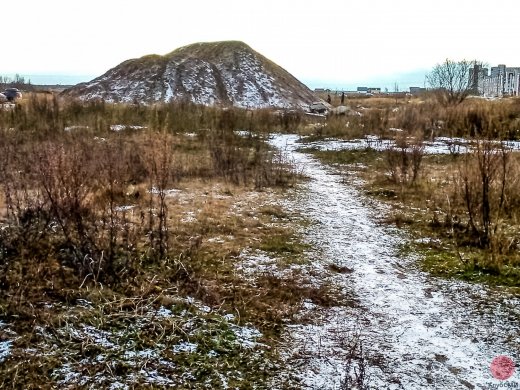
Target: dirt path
<point x="416" y="331"/>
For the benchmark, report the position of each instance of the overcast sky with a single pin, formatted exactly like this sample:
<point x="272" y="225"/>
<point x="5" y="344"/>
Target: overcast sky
<point x="331" y="42"/>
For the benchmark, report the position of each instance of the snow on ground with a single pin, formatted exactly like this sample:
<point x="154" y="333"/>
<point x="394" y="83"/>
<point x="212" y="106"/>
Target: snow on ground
<point x="7" y="106"/>
<point x="124" y="207"/>
<point x="76" y="127"/>
<point x="440" y="145"/>
<point x="185" y="347"/>
<point x="168" y="193"/>
<point x="5" y="349"/>
<point x="143" y="343"/>
<point x="126" y="127"/>
<point x="6" y="341"/>
<point x="417" y="331"/>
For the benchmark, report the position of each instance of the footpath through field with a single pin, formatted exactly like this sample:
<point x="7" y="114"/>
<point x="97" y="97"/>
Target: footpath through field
<point x="415" y="331"/>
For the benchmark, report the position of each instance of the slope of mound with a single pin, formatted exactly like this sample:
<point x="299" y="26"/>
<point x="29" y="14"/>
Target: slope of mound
<point x="226" y="73"/>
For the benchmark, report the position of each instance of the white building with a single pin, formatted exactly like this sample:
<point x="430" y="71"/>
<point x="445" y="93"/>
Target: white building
<point x="502" y="81"/>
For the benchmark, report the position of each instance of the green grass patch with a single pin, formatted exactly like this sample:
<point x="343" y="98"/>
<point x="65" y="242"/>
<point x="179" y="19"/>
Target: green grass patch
<point x="468" y="264"/>
<point x="284" y="243"/>
<point x="180" y="344"/>
<point x="367" y="156"/>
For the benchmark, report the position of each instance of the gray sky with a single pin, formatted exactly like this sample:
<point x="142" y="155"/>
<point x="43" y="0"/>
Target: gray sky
<point x="330" y="42"/>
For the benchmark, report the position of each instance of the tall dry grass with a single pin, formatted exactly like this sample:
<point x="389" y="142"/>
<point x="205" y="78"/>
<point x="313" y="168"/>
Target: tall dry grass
<point x="426" y="118"/>
<point x="66" y="191"/>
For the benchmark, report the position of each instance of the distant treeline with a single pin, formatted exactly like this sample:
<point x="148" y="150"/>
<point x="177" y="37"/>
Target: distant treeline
<point x="15" y="82"/>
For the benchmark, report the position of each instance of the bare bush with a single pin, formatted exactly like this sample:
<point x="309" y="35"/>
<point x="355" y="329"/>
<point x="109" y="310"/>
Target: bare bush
<point x="403" y="161"/>
<point x="485" y="176"/>
<point x="160" y="160"/>
<point x="272" y="169"/>
<point x="228" y="156"/>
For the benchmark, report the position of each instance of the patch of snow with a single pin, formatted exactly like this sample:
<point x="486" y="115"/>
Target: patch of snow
<point x="246" y="336"/>
<point x="144" y="354"/>
<point x="8" y="106"/>
<point x="203" y="308"/>
<point x="253" y="263"/>
<point x="5" y="349"/>
<point x="76" y="127"/>
<point x="427" y="240"/>
<point x="126" y="127"/>
<point x="440" y="145"/>
<point x="189" y="217"/>
<point x="168" y="193"/>
<point x="153" y="377"/>
<point x="218" y="240"/>
<point x="185" y="347"/>
<point x="164" y="312"/>
<point x="229" y="317"/>
<point x="223" y="382"/>
<point x="100" y="337"/>
<point x="118" y="386"/>
<point x="243" y="133"/>
<point x="69" y="375"/>
<point x="124" y="207"/>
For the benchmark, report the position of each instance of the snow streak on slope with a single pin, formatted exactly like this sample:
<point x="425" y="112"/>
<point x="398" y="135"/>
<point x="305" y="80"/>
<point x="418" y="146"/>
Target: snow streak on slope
<point x="223" y="73"/>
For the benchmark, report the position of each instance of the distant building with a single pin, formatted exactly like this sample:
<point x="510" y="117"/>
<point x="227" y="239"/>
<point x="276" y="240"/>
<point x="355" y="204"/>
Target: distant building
<point x="417" y="90"/>
<point x="362" y="89"/>
<point x="502" y="81"/>
<point x="374" y="90"/>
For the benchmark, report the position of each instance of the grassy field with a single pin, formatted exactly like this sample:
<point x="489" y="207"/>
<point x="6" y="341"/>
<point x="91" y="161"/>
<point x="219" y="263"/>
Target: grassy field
<point x="421" y="117"/>
<point x="127" y="234"/>
<point x="462" y="209"/>
<point x="133" y="238"/>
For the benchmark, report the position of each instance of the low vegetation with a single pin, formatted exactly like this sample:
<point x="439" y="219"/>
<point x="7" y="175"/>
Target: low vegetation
<point x="462" y="207"/>
<point x="133" y="238"/>
<point x="123" y="236"/>
<point x="421" y="117"/>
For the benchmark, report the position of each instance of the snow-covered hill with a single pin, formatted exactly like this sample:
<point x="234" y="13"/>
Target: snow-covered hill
<point x="216" y="73"/>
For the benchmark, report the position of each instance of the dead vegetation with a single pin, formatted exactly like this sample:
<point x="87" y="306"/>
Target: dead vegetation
<point x="465" y="203"/>
<point x="102" y="226"/>
<point x="422" y="117"/>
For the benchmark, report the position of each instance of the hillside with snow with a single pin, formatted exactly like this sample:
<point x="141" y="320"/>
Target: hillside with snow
<point x="226" y="73"/>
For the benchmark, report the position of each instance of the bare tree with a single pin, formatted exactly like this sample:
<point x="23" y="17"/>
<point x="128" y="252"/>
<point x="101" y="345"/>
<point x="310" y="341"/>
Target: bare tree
<point x="451" y="81"/>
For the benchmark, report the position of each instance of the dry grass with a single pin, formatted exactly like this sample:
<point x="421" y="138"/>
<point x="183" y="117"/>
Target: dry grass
<point x="101" y="228"/>
<point x="470" y="203"/>
<point x="421" y="117"/>
<point x="434" y="210"/>
<point x="211" y="223"/>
